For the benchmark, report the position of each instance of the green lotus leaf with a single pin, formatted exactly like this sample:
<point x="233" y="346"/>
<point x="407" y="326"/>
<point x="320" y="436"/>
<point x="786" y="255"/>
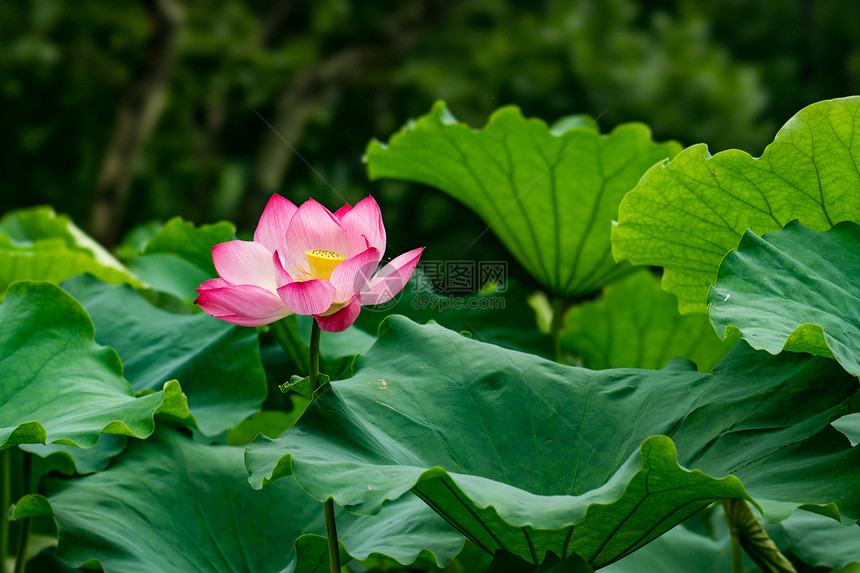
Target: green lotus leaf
<point x="217" y="363"/>
<point x="679" y="550"/>
<point x="270" y="423"/>
<point x="31" y="505"/>
<point x="179" y="257"/>
<point x="505" y="562"/>
<point x="569" y="122"/>
<point x="58" y="386"/>
<point x="687" y="214"/>
<point x="550" y="197"/>
<point x="38" y="244"/>
<point x="172" y="505"/>
<point x="71" y="459"/>
<point x="849" y="426"/>
<point x="793" y="289"/>
<point x="193" y="244"/>
<point x="133" y="242"/>
<point x="637" y="325"/>
<point x="529" y="456"/>
<point x="818" y="541"/>
<point x="703" y="543"/>
<point x="35" y="223"/>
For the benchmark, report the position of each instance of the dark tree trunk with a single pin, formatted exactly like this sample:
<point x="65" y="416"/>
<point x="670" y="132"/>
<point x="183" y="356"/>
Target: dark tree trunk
<point x="138" y="113"/>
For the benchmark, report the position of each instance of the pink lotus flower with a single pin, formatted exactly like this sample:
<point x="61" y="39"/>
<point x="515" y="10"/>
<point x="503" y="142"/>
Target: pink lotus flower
<point x="306" y="260"/>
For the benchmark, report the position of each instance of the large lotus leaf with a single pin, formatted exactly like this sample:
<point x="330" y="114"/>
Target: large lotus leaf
<point x="531" y="456"/>
<point x="686" y="215"/>
<point x="57" y="385"/>
<point x="637" y="325"/>
<point x="217" y="363"/>
<point x="549" y="197"/>
<point x="38" y="244"/>
<point x="793" y="289"/>
<point x="169" y="504"/>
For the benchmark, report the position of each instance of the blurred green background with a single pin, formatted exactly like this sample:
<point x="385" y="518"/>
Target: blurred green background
<point x="118" y="113"/>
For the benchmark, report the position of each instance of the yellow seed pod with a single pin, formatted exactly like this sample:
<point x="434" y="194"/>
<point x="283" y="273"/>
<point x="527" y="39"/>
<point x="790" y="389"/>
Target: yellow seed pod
<point x="322" y="263"/>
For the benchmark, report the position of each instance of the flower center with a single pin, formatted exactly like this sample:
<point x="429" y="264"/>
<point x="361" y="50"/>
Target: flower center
<point x="322" y="263"/>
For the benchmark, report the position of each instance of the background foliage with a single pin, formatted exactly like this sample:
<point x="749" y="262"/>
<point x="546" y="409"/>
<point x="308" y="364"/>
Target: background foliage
<point x="330" y="75"/>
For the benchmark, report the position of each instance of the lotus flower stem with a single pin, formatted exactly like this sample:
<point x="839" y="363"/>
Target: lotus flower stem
<point x="556" y="326"/>
<point x="331" y="535"/>
<point x="328" y="505"/>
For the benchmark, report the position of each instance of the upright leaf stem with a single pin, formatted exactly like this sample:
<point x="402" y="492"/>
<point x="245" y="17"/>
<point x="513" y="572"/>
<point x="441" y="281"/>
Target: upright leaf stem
<point x="750" y="537"/>
<point x="24" y="534"/>
<point x="331" y="535"/>
<point x="23" y="547"/>
<point x="328" y="505"/>
<point x="737" y="552"/>
<point x="314" y="357"/>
